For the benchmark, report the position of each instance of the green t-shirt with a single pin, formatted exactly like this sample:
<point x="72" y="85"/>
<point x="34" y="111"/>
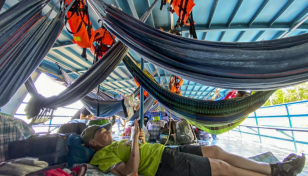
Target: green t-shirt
<point x="119" y="151"/>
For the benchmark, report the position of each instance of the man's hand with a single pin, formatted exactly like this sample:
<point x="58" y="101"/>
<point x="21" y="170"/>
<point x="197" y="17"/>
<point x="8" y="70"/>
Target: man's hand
<point x="142" y="136"/>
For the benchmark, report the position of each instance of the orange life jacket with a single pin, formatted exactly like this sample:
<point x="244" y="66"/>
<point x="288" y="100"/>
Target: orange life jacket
<point x="145" y="93"/>
<point x="104" y="41"/>
<point x="80" y="24"/>
<point x="182" y="8"/>
<point x="175" y="85"/>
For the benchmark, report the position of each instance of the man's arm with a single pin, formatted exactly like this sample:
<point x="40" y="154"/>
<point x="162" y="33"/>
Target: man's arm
<point x="134" y="159"/>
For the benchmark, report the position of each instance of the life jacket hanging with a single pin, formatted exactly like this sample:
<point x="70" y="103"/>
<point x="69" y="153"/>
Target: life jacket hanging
<point x="182" y="8"/>
<point x="175" y="85"/>
<point x="103" y="41"/>
<point x="80" y="25"/>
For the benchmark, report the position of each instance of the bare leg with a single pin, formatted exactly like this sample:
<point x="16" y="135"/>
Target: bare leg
<point x="216" y="152"/>
<point x="221" y="168"/>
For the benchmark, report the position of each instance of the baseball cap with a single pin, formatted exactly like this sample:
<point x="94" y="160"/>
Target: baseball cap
<point x="89" y="132"/>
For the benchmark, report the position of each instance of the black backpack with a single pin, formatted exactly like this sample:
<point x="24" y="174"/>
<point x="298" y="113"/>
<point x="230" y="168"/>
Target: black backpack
<point x="51" y="148"/>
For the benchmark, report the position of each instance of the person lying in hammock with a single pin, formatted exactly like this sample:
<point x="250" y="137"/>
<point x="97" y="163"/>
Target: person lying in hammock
<point x="126" y="157"/>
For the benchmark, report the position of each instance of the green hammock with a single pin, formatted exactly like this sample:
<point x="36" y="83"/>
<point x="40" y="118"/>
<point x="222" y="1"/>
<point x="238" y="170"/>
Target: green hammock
<point x="215" y="117"/>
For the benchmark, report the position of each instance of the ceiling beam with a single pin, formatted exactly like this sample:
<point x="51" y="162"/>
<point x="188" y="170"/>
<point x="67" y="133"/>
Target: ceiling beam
<point x="301" y="15"/>
<point x="79" y="56"/>
<point x="222" y="34"/>
<point x="237" y="7"/>
<point x="63" y="45"/>
<point x="52" y="58"/>
<point x="278" y="35"/>
<point x="204" y="36"/>
<point x="257" y="36"/>
<point x="152" y="18"/>
<point x="257" y="12"/>
<point x="283" y="9"/>
<point x="133" y="8"/>
<point x="69" y="59"/>
<point x="214" y="6"/>
<point x="244" y="27"/>
<point x="239" y="36"/>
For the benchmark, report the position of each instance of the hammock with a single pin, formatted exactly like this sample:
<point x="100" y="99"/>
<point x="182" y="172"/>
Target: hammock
<point x="23" y="48"/>
<point x="84" y="84"/>
<point x="212" y="129"/>
<point x="101" y="104"/>
<point x="219" y="129"/>
<point x="265" y="65"/>
<point x="81" y="87"/>
<point x="209" y="113"/>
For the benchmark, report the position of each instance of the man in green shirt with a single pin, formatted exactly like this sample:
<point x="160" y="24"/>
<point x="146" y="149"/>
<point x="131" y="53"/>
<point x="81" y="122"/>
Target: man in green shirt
<point x="126" y="157"/>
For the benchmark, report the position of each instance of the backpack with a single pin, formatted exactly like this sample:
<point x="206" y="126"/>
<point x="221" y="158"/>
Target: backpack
<point x="185" y="133"/>
<point x="78" y="152"/>
<point x="80" y="25"/>
<point x="72" y="128"/>
<point x="50" y="148"/>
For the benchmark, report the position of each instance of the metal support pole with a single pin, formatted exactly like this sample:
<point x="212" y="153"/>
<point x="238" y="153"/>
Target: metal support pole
<point x="239" y="129"/>
<point x="257" y="125"/>
<point x="159" y="111"/>
<point x="141" y="115"/>
<point x="290" y="123"/>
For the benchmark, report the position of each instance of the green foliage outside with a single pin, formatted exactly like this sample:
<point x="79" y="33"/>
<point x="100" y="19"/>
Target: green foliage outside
<point x="290" y="94"/>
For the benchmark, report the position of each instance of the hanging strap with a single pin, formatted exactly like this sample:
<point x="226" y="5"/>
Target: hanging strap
<point x="192" y="29"/>
<point x="163" y="2"/>
<point x="84" y="53"/>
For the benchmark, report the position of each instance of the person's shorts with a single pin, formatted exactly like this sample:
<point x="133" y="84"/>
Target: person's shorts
<point x="184" y="160"/>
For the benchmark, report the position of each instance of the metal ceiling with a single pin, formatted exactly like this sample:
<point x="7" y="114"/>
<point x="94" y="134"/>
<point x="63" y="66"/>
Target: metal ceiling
<point x="216" y="20"/>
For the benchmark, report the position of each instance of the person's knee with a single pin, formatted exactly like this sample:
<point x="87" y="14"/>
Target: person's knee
<point x="219" y="167"/>
<point x="217" y="152"/>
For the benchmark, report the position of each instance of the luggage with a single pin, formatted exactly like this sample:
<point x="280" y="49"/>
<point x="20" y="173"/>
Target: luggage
<point x="50" y="148"/>
<point x="72" y="128"/>
<point x="154" y="128"/>
<point x="185" y="133"/>
<point x="12" y="129"/>
<point x="78" y="152"/>
<point x="98" y="122"/>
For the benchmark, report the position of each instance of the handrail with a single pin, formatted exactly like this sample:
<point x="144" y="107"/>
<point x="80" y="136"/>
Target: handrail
<point x="276" y="128"/>
<point x="64" y="107"/>
<point x="291" y="103"/>
<point x="290" y="137"/>
<point x="53" y="115"/>
<point x="280" y="116"/>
